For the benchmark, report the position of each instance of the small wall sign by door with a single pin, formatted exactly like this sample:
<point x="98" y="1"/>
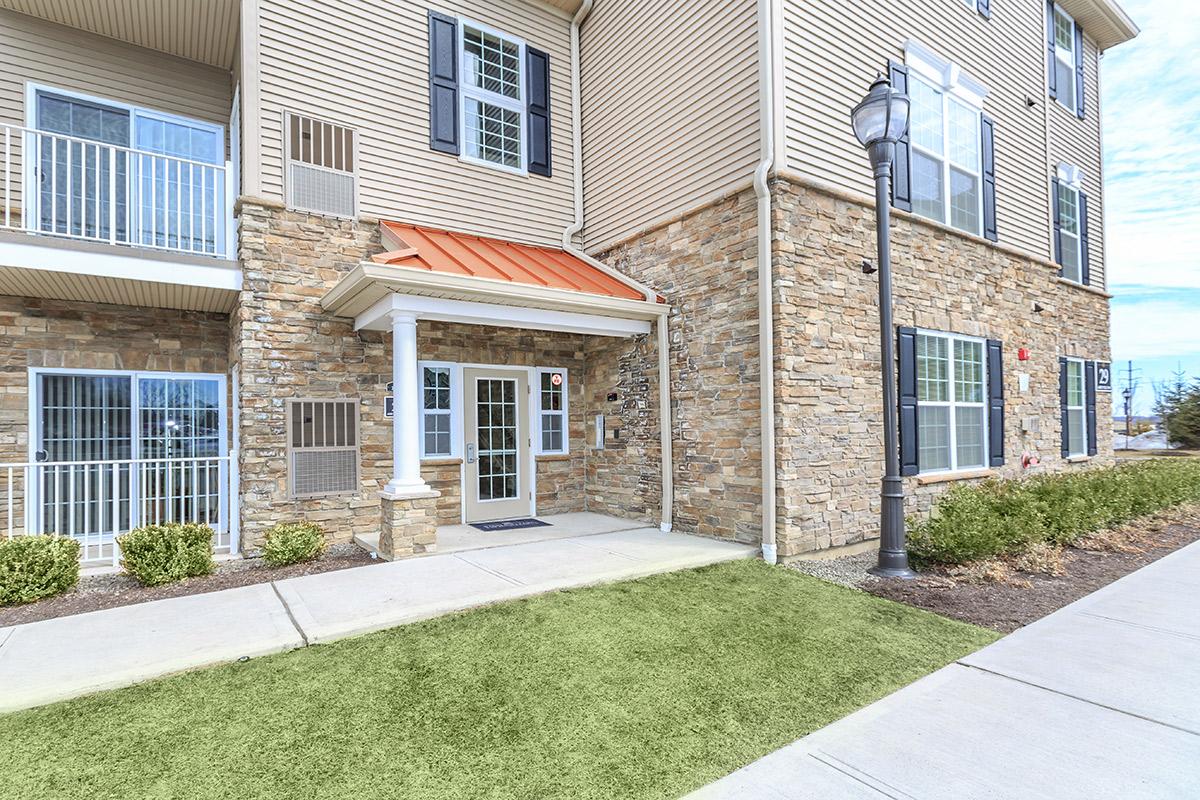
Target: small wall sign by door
<point x="389" y="403"/>
<point x="1103" y="377"/>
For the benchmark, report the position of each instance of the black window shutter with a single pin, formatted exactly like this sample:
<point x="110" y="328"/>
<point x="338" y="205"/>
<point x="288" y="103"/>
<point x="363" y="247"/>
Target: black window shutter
<point x="1057" y="224"/>
<point x="1079" y="71"/>
<point x="1051" y="75"/>
<point x="443" y="83"/>
<point x="1085" y="268"/>
<point x="995" y="365"/>
<point x="909" y="447"/>
<point x="1089" y="373"/>
<point x="985" y="10"/>
<point x="902" y="167"/>
<point x="988" y="136"/>
<point x="1062" y="406"/>
<point x="538" y="73"/>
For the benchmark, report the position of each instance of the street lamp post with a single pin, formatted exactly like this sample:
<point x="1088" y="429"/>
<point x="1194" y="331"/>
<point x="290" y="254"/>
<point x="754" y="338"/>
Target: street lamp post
<point x="879" y="121"/>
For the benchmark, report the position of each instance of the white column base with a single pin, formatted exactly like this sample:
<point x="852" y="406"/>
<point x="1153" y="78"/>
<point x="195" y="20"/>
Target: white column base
<point x="398" y="490"/>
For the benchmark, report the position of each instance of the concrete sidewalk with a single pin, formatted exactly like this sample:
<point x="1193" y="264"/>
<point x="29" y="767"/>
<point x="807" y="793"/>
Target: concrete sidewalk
<point x="56" y="659"/>
<point x="1099" y="699"/>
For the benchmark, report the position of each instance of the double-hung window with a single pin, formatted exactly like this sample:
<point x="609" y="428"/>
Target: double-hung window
<point x="493" y="97"/>
<point x="552" y="410"/>
<point x="1076" y="434"/>
<point x="951" y="402"/>
<point x="945" y="134"/>
<point x="436" y="405"/>
<point x="1069" y="230"/>
<point x="1064" y="58"/>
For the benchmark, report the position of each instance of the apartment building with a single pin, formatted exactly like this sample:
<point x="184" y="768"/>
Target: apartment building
<point x="390" y="266"/>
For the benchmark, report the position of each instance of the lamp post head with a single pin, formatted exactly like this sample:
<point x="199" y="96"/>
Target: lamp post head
<point x="880" y="119"/>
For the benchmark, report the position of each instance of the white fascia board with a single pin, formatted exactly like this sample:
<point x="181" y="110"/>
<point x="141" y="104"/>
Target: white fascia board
<point x="42" y="255"/>
<point x="378" y="317"/>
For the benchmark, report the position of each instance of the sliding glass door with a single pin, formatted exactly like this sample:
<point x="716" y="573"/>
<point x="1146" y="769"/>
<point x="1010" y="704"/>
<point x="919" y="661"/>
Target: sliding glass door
<point x="118" y="450"/>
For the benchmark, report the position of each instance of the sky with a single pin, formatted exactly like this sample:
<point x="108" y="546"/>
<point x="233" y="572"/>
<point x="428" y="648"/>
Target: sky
<point x="1150" y="89"/>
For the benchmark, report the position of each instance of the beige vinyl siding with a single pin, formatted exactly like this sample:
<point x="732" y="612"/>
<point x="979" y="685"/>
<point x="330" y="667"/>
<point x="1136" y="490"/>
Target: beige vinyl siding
<point x="670" y="110"/>
<point x="1076" y="141"/>
<point x="833" y="49"/>
<point x="65" y="58"/>
<point x="365" y="65"/>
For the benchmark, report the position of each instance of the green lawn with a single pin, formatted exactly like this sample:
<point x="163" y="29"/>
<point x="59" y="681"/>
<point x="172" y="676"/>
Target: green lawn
<point x="646" y="689"/>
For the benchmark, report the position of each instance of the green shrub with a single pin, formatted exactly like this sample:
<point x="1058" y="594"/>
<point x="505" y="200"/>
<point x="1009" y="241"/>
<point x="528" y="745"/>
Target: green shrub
<point x="35" y="567"/>
<point x="292" y="542"/>
<point x="158" y="554"/>
<point x="998" y="518"/>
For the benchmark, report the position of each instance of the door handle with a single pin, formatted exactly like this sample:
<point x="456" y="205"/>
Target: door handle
<point x="470" y="454"/>
<point x="41" y="455"/>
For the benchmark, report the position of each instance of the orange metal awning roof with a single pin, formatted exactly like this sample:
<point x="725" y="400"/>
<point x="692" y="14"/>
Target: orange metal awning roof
<point x="496" y="259"/>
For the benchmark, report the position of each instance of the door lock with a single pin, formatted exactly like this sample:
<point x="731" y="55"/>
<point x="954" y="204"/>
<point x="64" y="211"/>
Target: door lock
<point x="470" y="454"/>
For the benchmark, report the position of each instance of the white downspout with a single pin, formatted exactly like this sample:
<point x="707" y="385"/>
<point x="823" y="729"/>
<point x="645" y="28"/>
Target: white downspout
<point x="568" y="244"/>
<point x="766" y="328"/>
<point x="572" y="230"/>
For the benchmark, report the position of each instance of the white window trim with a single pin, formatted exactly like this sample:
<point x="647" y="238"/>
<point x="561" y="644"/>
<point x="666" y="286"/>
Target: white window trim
<point x="1080" y="409"/>
<point x="972" y="4"/>
<point x="1069" y="60"/>
<point x="1078" y="235"/>
<point x="456" y="409"/>
<point x="564" y="413"/>
<point x="953" y="404"/>
<point x="466" y="91"/>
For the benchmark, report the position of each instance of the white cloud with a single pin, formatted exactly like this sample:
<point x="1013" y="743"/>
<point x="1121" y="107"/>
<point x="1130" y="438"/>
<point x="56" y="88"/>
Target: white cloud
<point x="1156" y="329"/>
<point x="1152" y="148"/>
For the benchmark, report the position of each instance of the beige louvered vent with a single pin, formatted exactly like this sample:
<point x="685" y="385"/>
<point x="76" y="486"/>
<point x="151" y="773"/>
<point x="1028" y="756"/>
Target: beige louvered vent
<point x="322" y="447"/>
<point x="320" y="161"/>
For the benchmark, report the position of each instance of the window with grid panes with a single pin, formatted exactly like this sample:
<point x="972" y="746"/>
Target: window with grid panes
<point x="946" y="156"/>
<point x="493" y="97"/>
<point x="436" y="418"/>
<point x="553" y="408"/>
<point x="951" y="402"/>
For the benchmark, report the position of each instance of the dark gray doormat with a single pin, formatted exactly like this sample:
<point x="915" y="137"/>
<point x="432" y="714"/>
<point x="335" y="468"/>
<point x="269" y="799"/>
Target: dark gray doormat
<point x="509" y="524"/>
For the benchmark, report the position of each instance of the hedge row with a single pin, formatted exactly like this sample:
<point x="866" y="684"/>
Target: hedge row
<point x="1001" y="517"/>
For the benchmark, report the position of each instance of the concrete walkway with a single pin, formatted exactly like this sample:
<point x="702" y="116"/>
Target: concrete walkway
<point x="56" y="659"/>
<point x="1100" y="699"/>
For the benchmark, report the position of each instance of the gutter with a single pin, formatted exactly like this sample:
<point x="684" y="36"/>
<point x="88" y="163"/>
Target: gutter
<point x="568" y="244"/>
<point x="766" y="327"/>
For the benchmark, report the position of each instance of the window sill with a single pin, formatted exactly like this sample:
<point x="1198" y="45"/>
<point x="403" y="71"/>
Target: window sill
<point x="552" y="457"/>
<point x="961" y="475"/>
<point x="1083" y="287"/>
<point x="1078" y="459"/>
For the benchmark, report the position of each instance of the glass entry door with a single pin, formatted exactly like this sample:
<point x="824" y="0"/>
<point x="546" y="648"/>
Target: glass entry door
<point x="115" y="451"/>
<point x="497" y="481"/>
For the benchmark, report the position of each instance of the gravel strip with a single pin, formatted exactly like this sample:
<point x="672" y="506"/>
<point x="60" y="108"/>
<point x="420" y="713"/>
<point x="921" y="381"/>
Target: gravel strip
<point x="848" y="571"/>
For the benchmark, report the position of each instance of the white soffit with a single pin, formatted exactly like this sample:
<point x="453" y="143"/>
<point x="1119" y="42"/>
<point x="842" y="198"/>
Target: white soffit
<point x="198" y="30"/>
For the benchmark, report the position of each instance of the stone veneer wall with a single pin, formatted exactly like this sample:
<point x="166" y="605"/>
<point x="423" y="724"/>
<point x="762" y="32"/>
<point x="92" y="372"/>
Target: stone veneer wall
<point x="624" y="478"/>
<point x="704" y="265"/>
<point x="829" y="410"/>
<point x="53" y="333"/>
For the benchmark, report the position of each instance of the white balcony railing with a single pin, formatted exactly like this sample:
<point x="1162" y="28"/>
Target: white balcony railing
<point x="94" y="500"/>
<point x="59" y="185"/>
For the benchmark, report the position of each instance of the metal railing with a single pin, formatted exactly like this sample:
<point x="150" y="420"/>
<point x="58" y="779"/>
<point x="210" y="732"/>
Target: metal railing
<point x="94" y="501"/>
<point x="59" y="185"/>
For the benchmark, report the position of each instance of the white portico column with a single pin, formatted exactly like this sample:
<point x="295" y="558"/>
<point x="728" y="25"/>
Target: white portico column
<point x="406" y="450"/>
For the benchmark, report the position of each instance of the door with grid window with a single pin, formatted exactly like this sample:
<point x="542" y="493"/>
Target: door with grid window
<point x="497" y="480"/>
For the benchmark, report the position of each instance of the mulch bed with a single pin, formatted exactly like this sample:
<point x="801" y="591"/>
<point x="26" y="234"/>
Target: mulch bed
<point x="1020" y="597"/>
<point x="109" y="591"/>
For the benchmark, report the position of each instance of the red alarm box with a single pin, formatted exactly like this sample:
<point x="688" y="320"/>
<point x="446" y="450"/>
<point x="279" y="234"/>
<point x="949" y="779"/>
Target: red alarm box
<point x="1023" y="354"/>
